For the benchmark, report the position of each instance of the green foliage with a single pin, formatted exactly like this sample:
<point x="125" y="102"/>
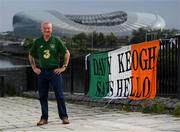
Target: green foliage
<point x="95" y="40"/>
<point x="176" y="111"/>
<point x="153" y="107"/>
<point x="143" y="34"/>
<point x="111" y="39"/>
<point x="101" y="39"/>
<point x="81" y="39"/>
<point x="146" y="110"/>
<point x="146" y="107"/>
<point x="138" y="108"/>
<point x="127" y="108"/>
<point x="158" y="107"/>
<point x="138" y="36"/>
<point x="84" y="51"/>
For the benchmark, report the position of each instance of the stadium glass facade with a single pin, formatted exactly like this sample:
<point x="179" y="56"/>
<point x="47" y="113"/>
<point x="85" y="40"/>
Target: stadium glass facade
<point x="118" y="23"/>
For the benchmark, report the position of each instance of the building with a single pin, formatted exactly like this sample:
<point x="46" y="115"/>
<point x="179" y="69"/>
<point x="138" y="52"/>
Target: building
<point x="119" y="22"/>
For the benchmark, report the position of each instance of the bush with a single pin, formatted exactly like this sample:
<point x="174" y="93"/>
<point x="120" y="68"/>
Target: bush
<point x="10" y="90"/>
<point x="176" y="111"/>
<point x="146" y="106"/>
<point x="153" y="107"/>
<point x="146" y="110"/>
<point x="158" y="107"/>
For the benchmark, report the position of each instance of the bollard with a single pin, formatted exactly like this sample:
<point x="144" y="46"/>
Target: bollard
<point x="2" y="86"/>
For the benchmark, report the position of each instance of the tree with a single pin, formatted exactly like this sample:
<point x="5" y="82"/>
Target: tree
<point x="143" y="34"/>
<point x="111" y="40"/>
<point x="95" y="39"/>
<point x="101" y="40"/>
<point x="138" y="35"/>
<point x="81" y="39"/>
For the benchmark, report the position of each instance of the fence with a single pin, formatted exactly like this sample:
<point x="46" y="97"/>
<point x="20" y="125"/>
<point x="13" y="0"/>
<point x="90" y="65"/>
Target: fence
<point x="13" y="80"/>
<point x="168" y="72"/>
<point x="168" y="67"/>
<point x="2" y="88"/>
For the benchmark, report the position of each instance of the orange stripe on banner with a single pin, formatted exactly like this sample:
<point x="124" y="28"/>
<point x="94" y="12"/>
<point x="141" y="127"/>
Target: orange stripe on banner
<point x="144" y="62"/>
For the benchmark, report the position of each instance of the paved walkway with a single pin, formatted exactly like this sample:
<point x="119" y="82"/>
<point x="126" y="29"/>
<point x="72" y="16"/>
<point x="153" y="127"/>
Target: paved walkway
<point x="21" y="114"/>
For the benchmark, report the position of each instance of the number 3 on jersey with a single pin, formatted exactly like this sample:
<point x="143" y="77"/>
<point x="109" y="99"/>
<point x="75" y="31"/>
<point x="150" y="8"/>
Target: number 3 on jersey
<point x="46" y="54"/>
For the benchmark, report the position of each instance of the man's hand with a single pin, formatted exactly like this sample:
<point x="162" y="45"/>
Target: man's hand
<point x="33" y="65"/>
<point x="59" y="70"/>
<point x="37" y="70"/>
<point x="66" y="61"/>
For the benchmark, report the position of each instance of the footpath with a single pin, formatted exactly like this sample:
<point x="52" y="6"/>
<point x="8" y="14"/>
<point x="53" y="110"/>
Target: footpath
<point x="22" y="114"/>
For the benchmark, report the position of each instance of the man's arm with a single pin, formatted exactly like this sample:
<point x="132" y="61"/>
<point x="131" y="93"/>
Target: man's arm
<point x="33" y="65"/>
<point x="66" y="59"/>
<point x="65" y="64"/>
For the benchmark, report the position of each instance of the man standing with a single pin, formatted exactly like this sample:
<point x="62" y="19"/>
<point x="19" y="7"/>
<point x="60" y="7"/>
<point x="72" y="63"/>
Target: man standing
<point x="46" y="50"/>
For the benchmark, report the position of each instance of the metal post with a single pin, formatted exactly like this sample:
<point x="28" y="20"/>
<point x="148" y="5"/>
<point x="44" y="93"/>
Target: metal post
<point x="86" y="83"/>
<point x="72" y="76"/>
<point x="178" y="88"/>
<point x="153" y="36"/>
<point x="92" y="40"/>
<point x="2" y="86"/>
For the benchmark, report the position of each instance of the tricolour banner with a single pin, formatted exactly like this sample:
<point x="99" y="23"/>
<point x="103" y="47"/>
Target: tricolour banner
<point x="127" y="72"/>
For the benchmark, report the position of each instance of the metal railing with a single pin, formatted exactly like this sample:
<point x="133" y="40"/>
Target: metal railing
<point x="2" y="86"/>
<point x="168" y="72"/>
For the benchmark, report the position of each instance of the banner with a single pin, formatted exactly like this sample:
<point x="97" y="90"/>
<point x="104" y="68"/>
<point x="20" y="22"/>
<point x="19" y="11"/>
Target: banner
<point x="127" y="72"/>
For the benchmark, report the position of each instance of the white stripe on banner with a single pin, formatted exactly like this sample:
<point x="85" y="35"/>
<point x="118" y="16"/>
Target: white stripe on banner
<point x="120" y="81"/>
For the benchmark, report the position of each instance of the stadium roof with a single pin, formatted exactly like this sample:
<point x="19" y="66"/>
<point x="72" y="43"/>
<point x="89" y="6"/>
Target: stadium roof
<point x="119" y="22"/>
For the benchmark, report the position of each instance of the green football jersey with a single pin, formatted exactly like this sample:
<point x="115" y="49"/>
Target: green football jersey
<point x="47" y="53"/>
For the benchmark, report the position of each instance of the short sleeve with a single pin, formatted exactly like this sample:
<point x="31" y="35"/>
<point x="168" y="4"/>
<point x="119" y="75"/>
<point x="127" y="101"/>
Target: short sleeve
<point x="62" y="47"/>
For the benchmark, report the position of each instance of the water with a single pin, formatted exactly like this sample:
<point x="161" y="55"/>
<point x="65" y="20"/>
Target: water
<point x="5" y="64"/>
<point x="9" y="62"/>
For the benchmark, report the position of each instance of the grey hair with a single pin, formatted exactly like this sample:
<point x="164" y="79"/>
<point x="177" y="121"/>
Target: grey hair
<point x="45" y="22"/>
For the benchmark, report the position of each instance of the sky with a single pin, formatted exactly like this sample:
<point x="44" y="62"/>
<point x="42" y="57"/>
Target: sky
<point x="168" y="9"/>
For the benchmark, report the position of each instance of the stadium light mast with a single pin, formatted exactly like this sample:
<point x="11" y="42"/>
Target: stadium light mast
<point x="92" y="46"/>
<point x="92" y="37"/>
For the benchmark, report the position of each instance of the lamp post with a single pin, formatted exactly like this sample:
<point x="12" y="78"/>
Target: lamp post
<point x="92" y="40"/>
<point x="91" y="28"/>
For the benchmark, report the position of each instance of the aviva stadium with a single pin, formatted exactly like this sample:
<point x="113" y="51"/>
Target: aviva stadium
<point x="119" y="22"/>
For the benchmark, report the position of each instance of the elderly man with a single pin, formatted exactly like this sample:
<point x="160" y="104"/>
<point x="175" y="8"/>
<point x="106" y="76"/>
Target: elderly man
<point x="46" y="50"/>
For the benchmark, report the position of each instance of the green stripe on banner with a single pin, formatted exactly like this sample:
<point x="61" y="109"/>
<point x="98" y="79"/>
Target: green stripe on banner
<point x="127" y="72"/>
<point x="99" y="75"/>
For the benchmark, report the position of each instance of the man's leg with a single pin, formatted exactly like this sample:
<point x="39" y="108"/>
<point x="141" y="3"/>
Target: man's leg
<point x="43" y="88"/>
<point x="58" y="86"/>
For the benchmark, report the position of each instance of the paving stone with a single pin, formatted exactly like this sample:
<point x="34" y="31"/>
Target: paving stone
<point x="22" y="114"/>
